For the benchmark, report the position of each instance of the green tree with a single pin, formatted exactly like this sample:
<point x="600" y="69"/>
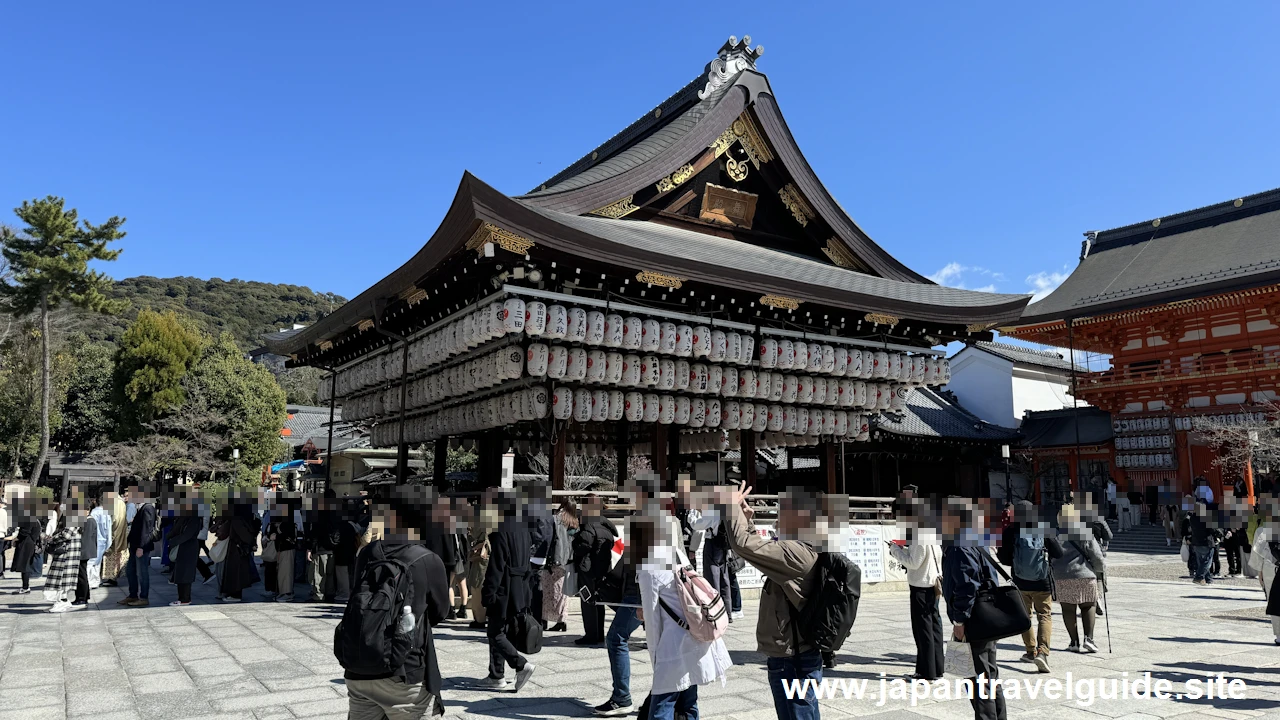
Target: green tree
<point x="49" y="259"/>
<point x="88" y="416"/>
<point x="20" y="393"/>
<point x="300" y="384"/>
<point x="154" y="356"/>
<point x="248" y="396"/>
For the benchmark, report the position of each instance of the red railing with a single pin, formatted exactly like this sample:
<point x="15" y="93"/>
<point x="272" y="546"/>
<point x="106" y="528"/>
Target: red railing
<point x="1178" y="370"/>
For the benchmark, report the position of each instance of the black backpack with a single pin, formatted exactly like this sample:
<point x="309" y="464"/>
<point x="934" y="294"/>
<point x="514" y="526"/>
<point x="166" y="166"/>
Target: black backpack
<point x="375" y="636"/>
<point x="831" y="605"/>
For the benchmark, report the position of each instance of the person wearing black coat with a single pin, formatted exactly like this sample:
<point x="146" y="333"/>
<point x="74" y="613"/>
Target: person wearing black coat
<point x="25" y="546"/>
<point x="184" y="535"/>
<point x="241" y="534"/>
<point x="505" y="594"/>
<point x="595" y="533"/>
<point x="966" y="568"/>
<point x="542" y="530"/>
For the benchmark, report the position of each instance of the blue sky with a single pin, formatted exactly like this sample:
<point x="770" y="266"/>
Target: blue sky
<point x="320" y="143"/>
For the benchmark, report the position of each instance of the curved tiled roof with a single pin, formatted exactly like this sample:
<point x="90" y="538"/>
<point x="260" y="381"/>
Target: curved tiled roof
<point x="614" y="155"/>
<point x="931" y="415"/>
<point x="1029" y="356"/>
<point x="1215" y="249"/>
<point x="916" y="300"/>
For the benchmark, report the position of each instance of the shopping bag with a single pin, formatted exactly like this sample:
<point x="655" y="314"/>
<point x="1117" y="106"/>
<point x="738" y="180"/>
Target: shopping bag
<point x="94" y="570"/>
<point x="959" y="660"/>
<point x="1186" y="553"/>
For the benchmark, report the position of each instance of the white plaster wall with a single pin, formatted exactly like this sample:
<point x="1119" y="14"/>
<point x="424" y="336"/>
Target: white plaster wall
<point x="1036" y="391"/>
<point x="982" y="383"/>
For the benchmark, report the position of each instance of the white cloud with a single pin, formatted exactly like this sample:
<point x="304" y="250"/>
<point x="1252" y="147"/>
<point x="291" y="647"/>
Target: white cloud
<point x="949" y="272"/>
<point x="953" y="274"/>
<point x="1043" y="283"/>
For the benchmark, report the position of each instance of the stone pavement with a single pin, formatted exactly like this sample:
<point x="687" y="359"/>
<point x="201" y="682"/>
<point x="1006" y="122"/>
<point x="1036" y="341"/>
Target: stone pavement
<point x="260" y="660"/>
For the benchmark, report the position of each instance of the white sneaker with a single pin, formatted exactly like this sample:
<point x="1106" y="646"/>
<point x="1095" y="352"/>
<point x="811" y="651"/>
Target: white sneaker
<point x="1088" y="646"/>
<point x="523" y="675"/>
<point x="493" y="683"/>
<point x="60" y="607"/>
<point x="737" y="615"/>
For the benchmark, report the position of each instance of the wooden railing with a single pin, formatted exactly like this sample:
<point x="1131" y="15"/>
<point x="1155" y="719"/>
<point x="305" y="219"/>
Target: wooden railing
<point x="1181" y="369"/>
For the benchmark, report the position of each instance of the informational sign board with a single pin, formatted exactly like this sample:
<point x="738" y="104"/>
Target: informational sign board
<point x="864" y="545"/>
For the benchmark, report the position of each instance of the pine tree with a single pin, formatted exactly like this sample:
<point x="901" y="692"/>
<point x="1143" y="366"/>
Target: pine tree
<point x="49" y="259"/>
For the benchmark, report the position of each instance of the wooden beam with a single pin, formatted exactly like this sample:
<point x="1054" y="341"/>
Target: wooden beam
<point x="623" y="450"/>
<point x="829" y="464"/>
<point x="748" y="451"/>
<point x="559" y="438"/>
<point x="440" y="463"/>
<point x="659" y="458"/>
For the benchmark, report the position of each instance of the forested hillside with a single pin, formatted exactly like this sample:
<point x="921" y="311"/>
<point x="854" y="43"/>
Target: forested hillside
<point x="246" y="309"/>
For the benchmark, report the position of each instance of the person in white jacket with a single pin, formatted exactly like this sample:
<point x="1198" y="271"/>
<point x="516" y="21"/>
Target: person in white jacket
<point x="923" y="560"/>
<point x="680" y="663"/>
<point x="1266" y="552"/>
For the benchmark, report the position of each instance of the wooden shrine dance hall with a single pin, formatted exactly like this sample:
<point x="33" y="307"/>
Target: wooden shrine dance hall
<point x="685" y="289"/>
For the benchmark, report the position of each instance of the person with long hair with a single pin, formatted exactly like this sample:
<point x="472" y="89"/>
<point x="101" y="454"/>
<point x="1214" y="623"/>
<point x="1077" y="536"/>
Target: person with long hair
<point x="555" y="609"/>
<point x="113" y="559"/>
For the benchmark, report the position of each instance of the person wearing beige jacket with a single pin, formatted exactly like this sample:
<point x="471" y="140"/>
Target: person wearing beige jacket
<point x="786" y="564"/>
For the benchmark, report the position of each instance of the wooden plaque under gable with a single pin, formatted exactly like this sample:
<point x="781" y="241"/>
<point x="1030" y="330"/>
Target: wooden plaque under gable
<point x="728" y="206"/>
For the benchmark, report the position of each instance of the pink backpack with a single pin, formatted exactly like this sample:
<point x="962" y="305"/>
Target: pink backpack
<point x="705" y="617"/>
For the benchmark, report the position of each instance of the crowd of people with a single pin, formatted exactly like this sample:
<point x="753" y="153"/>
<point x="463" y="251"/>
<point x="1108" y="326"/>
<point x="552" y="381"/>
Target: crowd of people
<point x="508" y="562"/>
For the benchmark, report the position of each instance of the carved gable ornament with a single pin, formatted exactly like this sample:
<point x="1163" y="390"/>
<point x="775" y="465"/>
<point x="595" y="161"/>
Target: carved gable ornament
<point x="733" y="58"/>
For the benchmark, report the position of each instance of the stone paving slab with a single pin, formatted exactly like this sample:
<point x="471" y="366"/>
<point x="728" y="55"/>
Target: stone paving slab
<point x="272" y="661"/>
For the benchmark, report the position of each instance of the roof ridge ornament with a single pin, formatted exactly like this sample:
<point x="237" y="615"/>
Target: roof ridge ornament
<point x="733" y="58"/>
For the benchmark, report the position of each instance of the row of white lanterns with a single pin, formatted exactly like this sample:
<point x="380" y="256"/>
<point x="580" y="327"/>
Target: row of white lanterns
<point x="596" y="367"/>
<point x="605" y="405"/>
<point x="1144" y="461"/>
<point x="593" y="328"/>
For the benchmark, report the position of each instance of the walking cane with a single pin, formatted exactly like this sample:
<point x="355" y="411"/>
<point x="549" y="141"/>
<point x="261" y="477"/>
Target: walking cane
<point x="1106" y="613"/>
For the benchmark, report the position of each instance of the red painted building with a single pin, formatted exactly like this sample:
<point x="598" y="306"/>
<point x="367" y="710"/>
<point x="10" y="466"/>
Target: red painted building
<point x="1186" y="306"/>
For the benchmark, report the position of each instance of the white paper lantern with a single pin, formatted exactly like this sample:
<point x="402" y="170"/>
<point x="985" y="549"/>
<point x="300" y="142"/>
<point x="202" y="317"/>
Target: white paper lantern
<point x="595" y="367"/>
<point x="701" y="341"/>
<point x="719" y="346"/>
<point x="666" y="374"/>
<point x="617" y="405"/>
<point x="667" y="338"/>
<point x="651" y="336"/>
<point x="631" y="328"/>
<point x="786" y="355"/>
<point x="557" y="322"/>
<point x="613" y="330"/>
<point x="682" y="411"/>
<point x="631" y="376"/>
<point x="562" y="403"/>
<point x="635" y="406"/>
<point x="684" y="341"/>
<point x="613" y="368"/>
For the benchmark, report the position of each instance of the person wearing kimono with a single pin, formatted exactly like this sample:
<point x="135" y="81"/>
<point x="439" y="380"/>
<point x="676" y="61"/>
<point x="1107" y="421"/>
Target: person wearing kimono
<point x="184" y="535"/>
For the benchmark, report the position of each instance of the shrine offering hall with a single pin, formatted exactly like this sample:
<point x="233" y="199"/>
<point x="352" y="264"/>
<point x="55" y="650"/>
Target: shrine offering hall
<point x="687" y="289"/>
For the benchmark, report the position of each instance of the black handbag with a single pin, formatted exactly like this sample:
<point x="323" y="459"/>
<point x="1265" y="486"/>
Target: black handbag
<point x="525" y="633"/>
<point x="998" y="611"/>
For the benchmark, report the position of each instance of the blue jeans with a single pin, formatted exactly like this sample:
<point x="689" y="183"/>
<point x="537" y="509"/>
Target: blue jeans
<point x="664" y="706"/>
<point x="1203" y="558"/>
<point x="139" y="573"/>
<point x="624" y="623"/>
<point x="805" y="665"/>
